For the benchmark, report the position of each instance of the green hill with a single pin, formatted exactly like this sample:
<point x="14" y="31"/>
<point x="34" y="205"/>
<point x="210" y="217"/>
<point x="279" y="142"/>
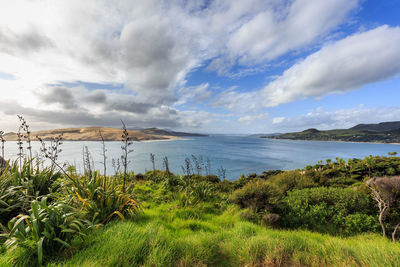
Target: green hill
<point x="378" y="127"/>
<point x="385" y="132"/>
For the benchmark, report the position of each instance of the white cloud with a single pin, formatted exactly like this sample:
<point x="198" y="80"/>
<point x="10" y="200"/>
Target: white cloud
<point x="340" y="66"/>
<point x="194" y="93"/>
<point x="337" y="119"/>
<point x="251" y="118"/>
<point x="278" y="120"/>
<point x="345" y="65"/>
<point x="272" y="33"/>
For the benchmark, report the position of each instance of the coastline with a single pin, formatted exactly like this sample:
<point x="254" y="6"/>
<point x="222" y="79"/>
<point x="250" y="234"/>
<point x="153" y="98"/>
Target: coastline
<point x="336" y="141"/>
<point x="172" y="138"/>
<point x="98" y="134"/>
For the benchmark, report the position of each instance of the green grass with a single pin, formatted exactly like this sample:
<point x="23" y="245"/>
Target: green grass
<point x="170" y="236"/>
<point x="195" y="224"/>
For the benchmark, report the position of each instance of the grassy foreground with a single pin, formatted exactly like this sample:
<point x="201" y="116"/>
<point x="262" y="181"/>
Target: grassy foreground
<point x="171" y="236"/>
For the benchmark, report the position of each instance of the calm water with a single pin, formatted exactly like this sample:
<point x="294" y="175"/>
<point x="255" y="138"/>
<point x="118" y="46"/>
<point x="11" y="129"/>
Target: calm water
<point x="238" y="155"/>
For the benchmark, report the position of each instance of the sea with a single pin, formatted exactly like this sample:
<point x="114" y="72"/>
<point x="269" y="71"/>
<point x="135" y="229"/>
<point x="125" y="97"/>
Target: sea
<point x="236" y="155"/>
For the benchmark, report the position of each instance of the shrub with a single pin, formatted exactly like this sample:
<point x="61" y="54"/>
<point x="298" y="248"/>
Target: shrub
<point x="212" y="178"/>
<point x="225" y="186"/>
<point x="19" y="187"/>
<point x="101" y="203"/>
<point x="203" y="191"/>
<point x="333" y="210"/>
<point x="197" y="192"/>
<point x="139" y="176"/>
<point x="171" y="182"/>
<point x="257" y="195"/>
<point x="291" y="180"/>
<point x="270" y="219"/>
<point x="45" y="230"/>
<point x="250" y="216"/>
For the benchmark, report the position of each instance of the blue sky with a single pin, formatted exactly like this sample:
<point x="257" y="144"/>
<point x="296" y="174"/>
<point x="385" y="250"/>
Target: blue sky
<point x="202" y="66"/>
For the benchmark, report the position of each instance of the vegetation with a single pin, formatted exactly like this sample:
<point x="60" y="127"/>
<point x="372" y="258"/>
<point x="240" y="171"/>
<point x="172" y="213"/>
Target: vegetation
<point x="337" y="213"/>
<point x="388" y="132"/>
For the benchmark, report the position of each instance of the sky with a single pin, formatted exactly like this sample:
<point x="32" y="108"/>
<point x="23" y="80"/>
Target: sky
<point x="212" y="66"/>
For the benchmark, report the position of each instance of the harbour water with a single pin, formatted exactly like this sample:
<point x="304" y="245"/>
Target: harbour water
<point x="237" y="154"/>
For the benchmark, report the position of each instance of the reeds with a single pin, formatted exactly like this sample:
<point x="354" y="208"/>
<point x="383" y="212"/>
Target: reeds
<point x="2" y="140"/>
<point x="126" y="143"/>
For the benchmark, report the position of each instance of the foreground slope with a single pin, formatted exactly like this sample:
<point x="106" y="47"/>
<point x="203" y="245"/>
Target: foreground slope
<point x="172" y="236"/>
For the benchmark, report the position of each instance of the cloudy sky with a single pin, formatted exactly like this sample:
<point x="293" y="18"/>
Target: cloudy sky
<point x="215" y="66"/>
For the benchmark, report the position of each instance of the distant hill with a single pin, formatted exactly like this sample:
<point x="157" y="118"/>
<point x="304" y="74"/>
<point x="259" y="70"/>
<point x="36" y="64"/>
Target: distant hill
<point x="385" y="132"/>
<point x="109" y="134"/>
<point x="378" y="127"/>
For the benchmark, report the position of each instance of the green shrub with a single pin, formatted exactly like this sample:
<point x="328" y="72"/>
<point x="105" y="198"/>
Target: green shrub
<point x="225" y="186"/>
<point x="250" y="215"/>
<point x="203" y="191"/>
<point x="197" y="192"/>
<point x="139" y="176"/>
<point x="99" y="202"/>
<point x="171" y="182"/>
<point x="257" y="195"/>
<point x="291" y="180"/>
<point x="19" y="187"/>
<point x="333" y="210"/>
<point x="212" y="178"/>
<point x="243" y="180"/>
<point x="270" y="219"/>
<point x="45" y="230"/>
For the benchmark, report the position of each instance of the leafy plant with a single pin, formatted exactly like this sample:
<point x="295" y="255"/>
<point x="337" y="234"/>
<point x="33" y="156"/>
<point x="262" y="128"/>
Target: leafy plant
<point x="333" y="210"/>
<point x="19" y="187"/>
<point x="100" y="202"/>
<point x="198" y="192"/>
<point x="45" y="229"/>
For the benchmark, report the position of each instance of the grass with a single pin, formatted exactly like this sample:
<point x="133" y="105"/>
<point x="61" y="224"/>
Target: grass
<point x="167" y="235"/>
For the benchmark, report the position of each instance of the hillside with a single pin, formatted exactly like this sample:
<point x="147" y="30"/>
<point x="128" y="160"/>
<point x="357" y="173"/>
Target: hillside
<point x="378" y="127"/>
<point x="109" y="134"/>
<point x="385" y="132"/>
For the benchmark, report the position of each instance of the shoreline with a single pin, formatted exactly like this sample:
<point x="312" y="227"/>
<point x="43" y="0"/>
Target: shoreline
<point x="172" y="138"/>
<point x="98" y="134"/>
<point x="107" y="141"/>
<point x="336" y="141"/>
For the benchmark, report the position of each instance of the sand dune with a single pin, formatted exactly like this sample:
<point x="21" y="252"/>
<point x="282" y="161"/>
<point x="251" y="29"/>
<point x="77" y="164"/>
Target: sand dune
<point x="92" y="134"/>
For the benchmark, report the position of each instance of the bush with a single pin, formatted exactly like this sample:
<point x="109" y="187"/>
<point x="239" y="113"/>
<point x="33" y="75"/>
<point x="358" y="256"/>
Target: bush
<point x="257" y="195"/>
<point x="225" y="186"/>
<point x="291" y="180"/>
<point x="333" y="210"/>
<point x="270" y="219"/>
<point x="45" y="230"/>
<point x="99" y="202"/>
<point x="250" y="216"/>
<point x="19" y="188"/>
<point x="212" y="179"/>
<point x="198" y="192"/>
<point x="243" y="180"/>
<point x="139" y="176"/>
